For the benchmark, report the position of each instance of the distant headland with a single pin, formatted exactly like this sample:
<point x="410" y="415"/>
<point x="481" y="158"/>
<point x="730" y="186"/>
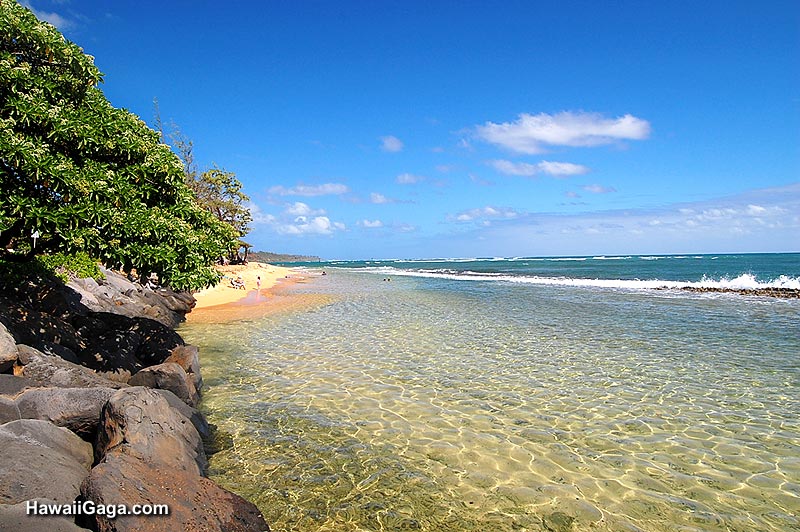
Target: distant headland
<point x="266" y="256"/>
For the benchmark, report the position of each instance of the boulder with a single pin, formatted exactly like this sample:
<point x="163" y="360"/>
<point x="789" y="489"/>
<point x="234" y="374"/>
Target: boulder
<point x="8" y="350"/>
<point x="14" y="517"/>
<point x="158" y="341"/>
<point x="188" y="357"/>
<point x="48" y="371"/>
<point x="9" y="411"/>
<point x="12" y="385"/>
<point x="139" y="422"/>
<point x="192" y="414"/>
<point x="39" y="459"/>
<point x="195" y="502"/>
<point x="77" y="409"/>
<point x="32" y="327"/>
<point x="168" y="376"/>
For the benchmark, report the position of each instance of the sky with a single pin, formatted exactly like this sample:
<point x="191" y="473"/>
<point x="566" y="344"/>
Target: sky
<point x="426" y="129"/>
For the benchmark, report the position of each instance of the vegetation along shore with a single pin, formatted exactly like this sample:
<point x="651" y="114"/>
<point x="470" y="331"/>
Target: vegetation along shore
<point x="104" y="234"/>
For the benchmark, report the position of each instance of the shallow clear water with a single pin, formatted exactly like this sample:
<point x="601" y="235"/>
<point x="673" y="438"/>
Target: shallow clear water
<point x="447" y="405"/>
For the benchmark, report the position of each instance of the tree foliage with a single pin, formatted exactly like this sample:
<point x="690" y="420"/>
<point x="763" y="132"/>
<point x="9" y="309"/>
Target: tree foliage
<point x="87" y="176"/>
<point x="216" y="190"/>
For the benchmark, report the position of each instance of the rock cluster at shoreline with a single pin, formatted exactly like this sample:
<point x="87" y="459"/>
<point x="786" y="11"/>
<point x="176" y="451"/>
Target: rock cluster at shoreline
<point x="98" y="399"/>
<point x="784" y="293"/>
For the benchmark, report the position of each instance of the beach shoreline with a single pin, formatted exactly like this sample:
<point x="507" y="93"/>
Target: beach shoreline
<point x="277" y="294"/>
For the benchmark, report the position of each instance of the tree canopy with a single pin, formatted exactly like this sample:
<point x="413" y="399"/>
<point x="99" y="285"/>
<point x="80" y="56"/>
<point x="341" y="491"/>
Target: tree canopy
<point x="216" y="190"/>
<point x="82" y="175"/>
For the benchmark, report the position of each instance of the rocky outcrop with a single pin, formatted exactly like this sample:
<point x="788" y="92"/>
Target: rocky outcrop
<point x="77" y="409"/>
<point x="93" y="373"/>
<point x="120" y="296"/>
<point x="195" y="503"/>
<point x="168" y="376"/>
<point x="8" y="349"/>
<point x="53" y="371"/>
<point x="139" y="422"/>
<point x="41" y="460"/>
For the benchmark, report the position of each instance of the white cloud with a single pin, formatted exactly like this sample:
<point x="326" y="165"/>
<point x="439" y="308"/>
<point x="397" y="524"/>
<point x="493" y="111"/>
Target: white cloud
<point x="556" y="169"/>
<point x="296" y="219"/>
<point x="379" y="199"/>
<point x="510" y="168"/>
<point x="764" y="220"/>
<point x="487" y="212"/>
<point x="319" y="225"/>
<point x="370" y="224"/>
<point x="598" y="189"/>
<point x="391" y="144"/>
<point x="532" y="133"/>
<point x="299" y="208"/>
<point x="559" y="169"/>
<point x="53" y="18"/>
<point x="409" y="179"/>
<point x="325" y="189"/>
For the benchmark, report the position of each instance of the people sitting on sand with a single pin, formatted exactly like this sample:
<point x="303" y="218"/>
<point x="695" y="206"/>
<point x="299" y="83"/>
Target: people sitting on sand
<point x="238" y="283"/>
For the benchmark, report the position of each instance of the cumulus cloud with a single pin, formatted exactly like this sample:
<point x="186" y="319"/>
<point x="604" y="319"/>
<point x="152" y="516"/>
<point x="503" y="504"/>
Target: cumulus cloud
<point x="409" y="179"/>
<point x="391" y="143"/>
<point x="371" y="224"/>
<point x="299" y="208"/>
<point x="379" y="199"/>
<point x="487" y="212"/>
<point x="599" y="189"/>
<point x="757" y="220"/>
<point x="296" y="219"/>
<point x="326" y="189"/>
<point x="532" y="134"/>
<point x="553" y="168"/>
<point x="302" y="225"/>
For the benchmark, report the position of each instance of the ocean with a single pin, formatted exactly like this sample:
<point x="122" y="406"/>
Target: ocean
<point x="516" y="394"/>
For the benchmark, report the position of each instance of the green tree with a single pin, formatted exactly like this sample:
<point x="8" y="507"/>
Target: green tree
<point x="85" y="176"/>
<point x="216" y="190"/>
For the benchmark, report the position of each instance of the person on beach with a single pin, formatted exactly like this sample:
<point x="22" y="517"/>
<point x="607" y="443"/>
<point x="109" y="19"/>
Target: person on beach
<point x="258" y="283"/>
<point x="238" y="283"/>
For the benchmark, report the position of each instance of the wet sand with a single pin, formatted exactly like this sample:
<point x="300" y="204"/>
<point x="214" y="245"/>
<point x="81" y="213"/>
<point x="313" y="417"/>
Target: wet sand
<point x="277" y="295"/>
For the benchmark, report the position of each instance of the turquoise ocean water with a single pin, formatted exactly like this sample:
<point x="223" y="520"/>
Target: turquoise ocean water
<point x="516" y="394"/>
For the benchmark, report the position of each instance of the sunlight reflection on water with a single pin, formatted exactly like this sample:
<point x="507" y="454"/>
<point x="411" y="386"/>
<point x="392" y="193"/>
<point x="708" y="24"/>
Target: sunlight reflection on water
<point x="424" y="405"/>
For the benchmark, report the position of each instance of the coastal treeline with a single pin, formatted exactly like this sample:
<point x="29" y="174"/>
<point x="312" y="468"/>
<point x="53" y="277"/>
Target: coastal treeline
<point x="80" y="176"/>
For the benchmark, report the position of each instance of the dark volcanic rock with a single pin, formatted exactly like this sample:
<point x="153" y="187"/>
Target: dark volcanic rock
<point x="48" y="371"/>
<point x="12" y="385"/>
<point x="192" y="414"/>
<point x="15" y="518"/>
<point x="38" y="329"/>
<point x="188" y="357"/>
<point x="77" y="409"/>
<point x="39" y="459"/>
<point x="158" y="341"/>
<point x="9" y="411"/>
<point x="195" y="503"/>
<point x="168" y="376"/>
<point x="139" y="422"/>
<point x="8" y="350"/>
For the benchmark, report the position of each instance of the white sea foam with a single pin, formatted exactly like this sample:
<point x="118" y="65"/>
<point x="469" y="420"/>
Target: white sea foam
<point x="742" y="282"/>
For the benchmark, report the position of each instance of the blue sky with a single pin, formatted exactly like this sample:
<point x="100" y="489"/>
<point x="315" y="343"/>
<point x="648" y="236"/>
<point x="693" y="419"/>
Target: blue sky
<point x="460" y="129"/>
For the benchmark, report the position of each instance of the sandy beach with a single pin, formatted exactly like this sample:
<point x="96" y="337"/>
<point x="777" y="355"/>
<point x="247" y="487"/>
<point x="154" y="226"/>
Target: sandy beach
<point x="224" y="293"/>
<point x="223" y="302"/>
